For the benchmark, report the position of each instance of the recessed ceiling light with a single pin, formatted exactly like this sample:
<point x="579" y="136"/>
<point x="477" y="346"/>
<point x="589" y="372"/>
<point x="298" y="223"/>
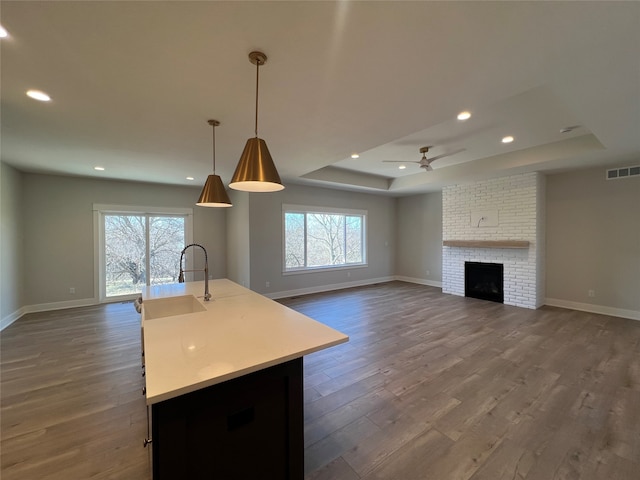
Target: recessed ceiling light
<point x="100" y="169"/>
<point x="402" y="167"/>
<point x="190" y="178"/>
<point x="38" y="95"/>
<point x="355" y="155"/>
<point x="507" y="139"/>
<point x="464" y="115"/>
<point x="3" y="33"/>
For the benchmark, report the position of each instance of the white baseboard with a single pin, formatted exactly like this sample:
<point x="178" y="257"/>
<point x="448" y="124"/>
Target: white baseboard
<point x="552" y="302"/>
<point x="326" y="288"/>
<point x="45" y="307"/>
<point x="420" y="281"/>
<point x="588" y="307"/>
<point x="9" y="319"/>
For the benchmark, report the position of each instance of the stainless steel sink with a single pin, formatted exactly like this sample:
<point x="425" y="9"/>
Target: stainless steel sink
<point x="171" y="306"/>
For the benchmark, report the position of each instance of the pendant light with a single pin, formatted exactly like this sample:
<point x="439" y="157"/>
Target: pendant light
<point x="213" y="193"/>
<point x="256" y="171"/>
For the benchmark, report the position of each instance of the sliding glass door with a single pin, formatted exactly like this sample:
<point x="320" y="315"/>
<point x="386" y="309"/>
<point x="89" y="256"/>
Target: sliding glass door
<point x="139" y="249"/>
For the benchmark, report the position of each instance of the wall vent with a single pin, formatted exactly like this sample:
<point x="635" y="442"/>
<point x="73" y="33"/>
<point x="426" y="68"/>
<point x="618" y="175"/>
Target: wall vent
<point x="624" y="172"/>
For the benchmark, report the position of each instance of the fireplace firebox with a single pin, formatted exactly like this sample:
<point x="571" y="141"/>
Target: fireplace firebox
<point x="484" y="281"/>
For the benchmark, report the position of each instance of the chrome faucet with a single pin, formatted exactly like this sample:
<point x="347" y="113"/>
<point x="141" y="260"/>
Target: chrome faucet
<point x="207" y="295"/>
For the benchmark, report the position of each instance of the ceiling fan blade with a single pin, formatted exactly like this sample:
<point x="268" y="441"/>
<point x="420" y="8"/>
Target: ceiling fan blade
<point x="446" y="154"/>
<point x="399" y="161"/>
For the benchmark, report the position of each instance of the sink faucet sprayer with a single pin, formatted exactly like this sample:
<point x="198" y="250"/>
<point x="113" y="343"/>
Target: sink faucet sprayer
<point x="207" y="295"/>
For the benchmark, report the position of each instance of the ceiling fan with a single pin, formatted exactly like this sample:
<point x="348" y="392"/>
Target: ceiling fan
<point x="424" y="161"/>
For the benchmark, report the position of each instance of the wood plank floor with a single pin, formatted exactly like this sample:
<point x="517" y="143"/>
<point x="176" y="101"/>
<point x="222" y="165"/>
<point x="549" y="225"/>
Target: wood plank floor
<point x="430" y="387"/>
<point x="72" y="404"/>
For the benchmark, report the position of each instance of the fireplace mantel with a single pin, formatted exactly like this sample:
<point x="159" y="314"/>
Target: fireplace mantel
<point x="487" y="243"/>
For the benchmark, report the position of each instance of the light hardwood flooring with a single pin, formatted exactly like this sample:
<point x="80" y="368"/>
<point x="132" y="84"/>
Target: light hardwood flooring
<point x="429" y="387"/>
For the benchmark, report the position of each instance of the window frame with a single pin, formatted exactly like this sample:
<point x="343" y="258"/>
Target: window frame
<point x="99" y="211"/>
<point x="306" y="209"/>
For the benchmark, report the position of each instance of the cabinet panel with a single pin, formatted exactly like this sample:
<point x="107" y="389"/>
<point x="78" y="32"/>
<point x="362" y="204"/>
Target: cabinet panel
<point x="249" y="427"/>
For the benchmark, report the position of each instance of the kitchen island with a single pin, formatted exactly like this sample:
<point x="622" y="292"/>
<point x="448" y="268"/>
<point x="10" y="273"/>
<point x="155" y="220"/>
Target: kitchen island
<point x="224" y="381"/>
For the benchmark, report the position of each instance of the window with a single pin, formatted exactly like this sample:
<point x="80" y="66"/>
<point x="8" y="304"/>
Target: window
<point x="318" y="238"/>
<point x="138" y="248"/>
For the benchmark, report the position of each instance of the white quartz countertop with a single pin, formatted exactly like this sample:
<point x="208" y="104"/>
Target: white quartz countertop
<point x="240" y="332"/>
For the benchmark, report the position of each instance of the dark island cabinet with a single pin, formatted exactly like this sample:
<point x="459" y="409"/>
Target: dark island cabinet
<point x="250" y="427"/>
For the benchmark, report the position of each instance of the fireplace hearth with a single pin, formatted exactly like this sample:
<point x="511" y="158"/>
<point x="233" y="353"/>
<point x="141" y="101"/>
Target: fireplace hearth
<point x="484" y="281"/>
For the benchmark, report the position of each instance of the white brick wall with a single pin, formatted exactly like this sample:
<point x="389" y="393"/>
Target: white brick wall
<point x="519" y="200"/>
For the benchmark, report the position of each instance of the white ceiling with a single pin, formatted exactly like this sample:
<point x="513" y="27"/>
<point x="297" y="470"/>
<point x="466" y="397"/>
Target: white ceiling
<point x="134" y="83"/>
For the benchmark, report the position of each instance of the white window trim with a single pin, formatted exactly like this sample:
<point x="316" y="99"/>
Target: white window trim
<point x="290" y="208"/>
<point x="99" y="210"/>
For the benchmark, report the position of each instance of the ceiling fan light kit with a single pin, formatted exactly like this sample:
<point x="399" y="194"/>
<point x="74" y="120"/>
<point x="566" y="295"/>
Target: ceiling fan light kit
<point x="424" y="163"/>
<point x="256" y="171"/>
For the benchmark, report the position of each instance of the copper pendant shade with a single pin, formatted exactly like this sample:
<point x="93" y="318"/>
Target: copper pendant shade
<point x="213" y="193"/>
<point x="256" y="171"/>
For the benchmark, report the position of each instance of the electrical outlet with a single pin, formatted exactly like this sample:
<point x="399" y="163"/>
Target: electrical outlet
<point x="428" y="273"/>
<point x="592" y="293"/>
<point x="72" y="290"/>
<point x="267" y="284"/>
<point x="348" y="274"/>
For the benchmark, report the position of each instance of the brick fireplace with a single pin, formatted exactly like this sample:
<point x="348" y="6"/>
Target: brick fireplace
<point x="498" y="221"/>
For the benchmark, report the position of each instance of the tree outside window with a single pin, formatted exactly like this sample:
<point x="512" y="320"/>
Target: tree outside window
<point x="316" y="240"/>
<point x="141" y="250"/>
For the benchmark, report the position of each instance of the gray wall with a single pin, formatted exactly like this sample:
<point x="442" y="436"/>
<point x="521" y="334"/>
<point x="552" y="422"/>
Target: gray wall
<point x="11" y="242"/>
<point x="46" y="239"/>
<point x="593" y="239"/>
<point x="592" y="231"/>
<point x="238" y="265"/>
<point x="541" y="240"/>
<point x="265" y="216"/>
<point x="419" y="238"/>
<point x="59" y="243"/>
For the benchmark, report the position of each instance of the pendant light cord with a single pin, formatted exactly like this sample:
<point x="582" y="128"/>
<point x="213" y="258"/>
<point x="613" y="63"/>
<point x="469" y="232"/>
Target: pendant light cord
<point x="257" y="83"/>
<point x="214" y="149"/>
